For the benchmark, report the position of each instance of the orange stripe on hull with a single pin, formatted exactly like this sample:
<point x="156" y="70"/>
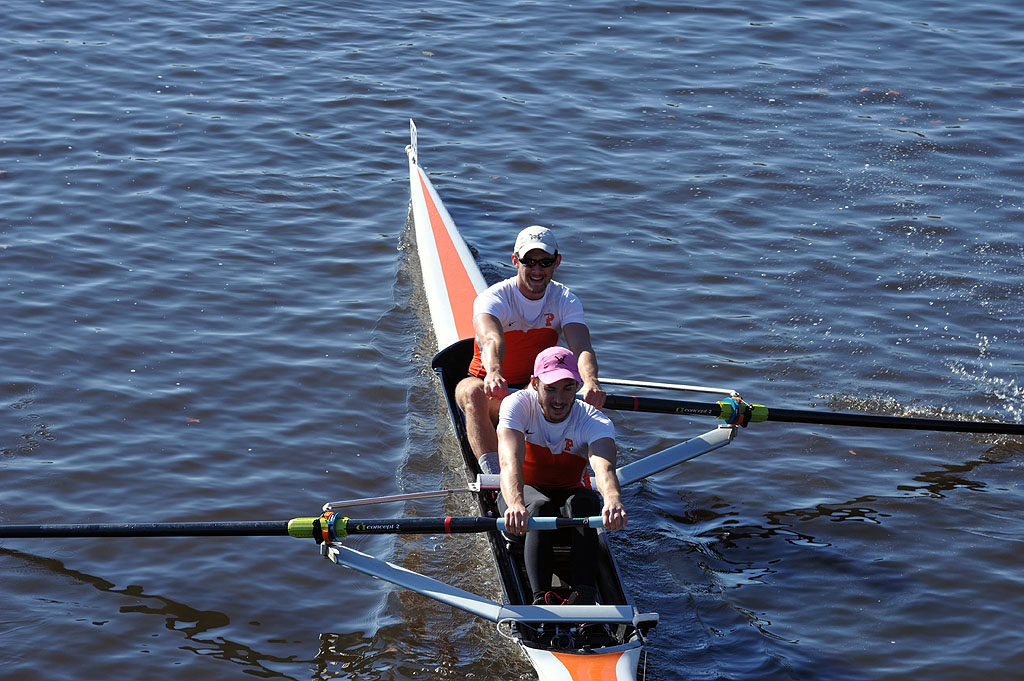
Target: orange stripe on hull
<point x="599" y="667"/>
<point x="461" y="292"/>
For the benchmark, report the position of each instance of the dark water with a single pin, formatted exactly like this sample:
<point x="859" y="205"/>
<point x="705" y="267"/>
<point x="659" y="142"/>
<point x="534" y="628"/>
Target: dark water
<point x="210" y="311"/>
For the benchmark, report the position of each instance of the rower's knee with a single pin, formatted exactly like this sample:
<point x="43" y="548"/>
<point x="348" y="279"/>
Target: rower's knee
<point x="470" y="395"/>
<point x="480" y="418"/>
<point x="475" y="403"/>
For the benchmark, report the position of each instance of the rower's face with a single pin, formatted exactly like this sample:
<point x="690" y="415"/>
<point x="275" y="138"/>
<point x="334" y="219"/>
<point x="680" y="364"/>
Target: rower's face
<point x="556" y="399"/>
<point x="535" y="270"/>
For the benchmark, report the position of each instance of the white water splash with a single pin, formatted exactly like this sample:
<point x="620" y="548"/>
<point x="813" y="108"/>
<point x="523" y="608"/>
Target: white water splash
<point x="1009" y="393"/>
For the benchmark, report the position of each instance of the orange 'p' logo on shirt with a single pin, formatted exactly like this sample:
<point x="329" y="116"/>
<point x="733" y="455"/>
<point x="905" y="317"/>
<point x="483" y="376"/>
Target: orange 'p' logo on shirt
<point x="568" y="445"/>
<point x="550" y="318"/>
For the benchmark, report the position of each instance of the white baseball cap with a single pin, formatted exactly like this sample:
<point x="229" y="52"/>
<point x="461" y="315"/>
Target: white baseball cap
<point x="533" y="237"/>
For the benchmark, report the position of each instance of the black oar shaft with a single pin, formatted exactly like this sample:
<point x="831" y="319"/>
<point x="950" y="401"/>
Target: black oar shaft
<point x="251" y="529"/>
<point x="714" y="409"/>
<point x="331" y="526"/>
<point x="417" y="525"/>
<point x="662" y="406"/>
<point x="211" y="529"/>
<point x="901" y="422"/>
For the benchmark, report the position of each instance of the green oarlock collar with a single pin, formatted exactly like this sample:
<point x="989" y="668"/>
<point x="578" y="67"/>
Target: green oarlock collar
<point x="735" y="411"/>
<point x="302" y="528"/>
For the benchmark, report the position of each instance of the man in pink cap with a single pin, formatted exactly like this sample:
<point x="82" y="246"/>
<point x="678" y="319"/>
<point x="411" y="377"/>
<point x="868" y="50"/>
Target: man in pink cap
<point x="513" y="320"/>
<point x="546" y="438"/>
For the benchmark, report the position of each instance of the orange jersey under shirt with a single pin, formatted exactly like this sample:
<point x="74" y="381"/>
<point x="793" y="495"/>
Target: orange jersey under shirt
<point x="529" y="326"/>
<point x="557" y="454"/>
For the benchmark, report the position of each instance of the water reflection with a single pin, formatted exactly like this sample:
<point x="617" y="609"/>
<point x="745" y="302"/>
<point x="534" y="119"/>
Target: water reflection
<point x="962" y="476"/>
<point x="451" y="649"/>
<point x="859" y="509"/>
<point x="196" y="626"/>
<point x="946" y="479"/>
<point x="353" y="656"/>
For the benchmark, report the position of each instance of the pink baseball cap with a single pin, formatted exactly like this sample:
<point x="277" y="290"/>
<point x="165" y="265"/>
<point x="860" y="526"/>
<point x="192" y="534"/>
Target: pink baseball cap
<point x="554" y="364"/>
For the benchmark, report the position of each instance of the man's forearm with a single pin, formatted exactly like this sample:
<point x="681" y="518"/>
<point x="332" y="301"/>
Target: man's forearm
<point x="587" y="362"/>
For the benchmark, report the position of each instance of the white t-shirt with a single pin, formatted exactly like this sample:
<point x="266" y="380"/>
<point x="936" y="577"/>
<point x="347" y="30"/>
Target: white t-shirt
<point x="556" y="453"/>
<point x="529" y="326"/>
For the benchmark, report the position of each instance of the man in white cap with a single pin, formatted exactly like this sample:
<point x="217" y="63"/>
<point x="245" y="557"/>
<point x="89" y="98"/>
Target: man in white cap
<point x="546" y="438"/>
<point x="513" y="320"/>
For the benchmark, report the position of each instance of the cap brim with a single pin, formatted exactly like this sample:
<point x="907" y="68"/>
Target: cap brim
<point x="557" y="375"/>
<point x="526" y="248"/>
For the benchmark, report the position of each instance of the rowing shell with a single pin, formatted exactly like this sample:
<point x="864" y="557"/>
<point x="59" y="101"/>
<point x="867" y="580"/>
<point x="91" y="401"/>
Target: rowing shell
<point x="558" y="647"/>
<point x="563" y="642"/>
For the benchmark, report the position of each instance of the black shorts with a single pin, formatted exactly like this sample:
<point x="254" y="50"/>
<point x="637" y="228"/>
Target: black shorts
<point x="580" y="502"/>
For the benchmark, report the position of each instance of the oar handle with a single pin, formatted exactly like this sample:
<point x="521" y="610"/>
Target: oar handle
<point x="556" y="523"/>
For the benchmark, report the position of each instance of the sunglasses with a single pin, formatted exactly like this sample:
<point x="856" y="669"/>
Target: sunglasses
<point x="539" y="262"/>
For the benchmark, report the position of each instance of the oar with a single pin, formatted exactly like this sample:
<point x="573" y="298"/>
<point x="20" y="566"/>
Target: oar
<point x="736" y="411"/>
<point x="328" y="527"/>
